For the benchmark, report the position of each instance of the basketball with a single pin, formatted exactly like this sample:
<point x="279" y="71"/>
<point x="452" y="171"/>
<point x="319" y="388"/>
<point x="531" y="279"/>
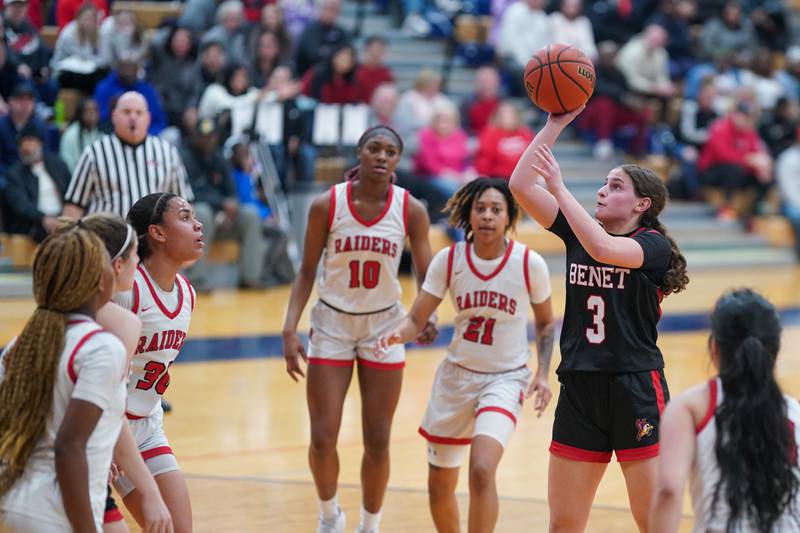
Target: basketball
<point x="559" y="78"/>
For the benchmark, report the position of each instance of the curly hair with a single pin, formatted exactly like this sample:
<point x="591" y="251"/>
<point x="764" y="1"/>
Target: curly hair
<point x="459" y="206"/>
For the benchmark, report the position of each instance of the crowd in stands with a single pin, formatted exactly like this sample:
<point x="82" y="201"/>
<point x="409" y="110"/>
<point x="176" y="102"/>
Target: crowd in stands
<point x="710" y="86"/>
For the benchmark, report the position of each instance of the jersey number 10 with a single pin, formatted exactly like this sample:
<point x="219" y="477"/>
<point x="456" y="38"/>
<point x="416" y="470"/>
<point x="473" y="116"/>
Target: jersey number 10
<point x="365" y="275"/>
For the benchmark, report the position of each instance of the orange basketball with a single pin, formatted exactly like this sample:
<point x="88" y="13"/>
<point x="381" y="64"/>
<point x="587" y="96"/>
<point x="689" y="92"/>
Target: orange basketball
<point x="559" y="78"/>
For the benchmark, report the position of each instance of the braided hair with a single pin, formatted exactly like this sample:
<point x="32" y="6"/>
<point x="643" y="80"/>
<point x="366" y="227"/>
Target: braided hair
<point x="459" y="206"/>
<point x="67" y="270"/>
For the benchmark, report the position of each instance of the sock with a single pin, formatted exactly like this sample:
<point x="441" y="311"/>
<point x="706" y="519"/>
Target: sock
<point x="369" y="521"/>
<point x="329" y="508"/>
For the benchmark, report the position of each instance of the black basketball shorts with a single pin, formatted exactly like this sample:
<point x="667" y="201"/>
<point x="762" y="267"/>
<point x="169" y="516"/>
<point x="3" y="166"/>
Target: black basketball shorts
<point x="598" y="413"/>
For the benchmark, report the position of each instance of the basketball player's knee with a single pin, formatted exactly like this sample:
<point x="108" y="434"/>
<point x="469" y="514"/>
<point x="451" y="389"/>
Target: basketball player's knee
<point x="323" y="441"/>
<point x="376" y="440"/>
<point x="562" y="521"/>
<point x="481" y="475"/>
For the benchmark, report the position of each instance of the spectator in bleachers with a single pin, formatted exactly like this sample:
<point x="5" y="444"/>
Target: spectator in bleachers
<point x="178" y="134"/>
<point x="771" y="22"/>
<point x="230" y="31"/>
<point x="36" y="186"/>
<point x="524" y="29"/>
<point x="123" y="79"/>
<point x="211" y="66"/>
<point x="67" y="10"/>
<point x="271" y="21"/>
<point x="442" y="158"/>
<point x="77" y="62"/>
<point x="295" y="157"/>
<point x="644" y="62"/>
<point x="217" y="208"/>
<point x="252" y="9"/>
<point x="676" y="16"/>
<point x="766" y="83"/>
<point x="613" y="107"/>
<point x="502" y="143"/>
<point x="789" y="76"/>
<point x="297" y="14"/>
<point x="477" y="109"/>
<point x="321" y="37"/>
<point x="614" y="20"/>
<point x="235" y="90"/>
<point x="174" y="73"/>
<point x="778" y="126"/>
<point x="570" y="26"/>
<point x="121" y="35"/>
<point x="334" y="80"/>
<point x="787" y="175"/>
<point x="372" y="70"/>
<point x="267" y="56"/>
<point x="83" y="131"/>
<point x="383" y="106"/>
<point x="23" y="40"/>
<point x="8" y="76"/>
<point x="198" y="15"/>
<point x="692" y="133"/>
<point x="416" y="106"/>
<point x="728" y="33"/>
<point x="414" y="22"/>
<point x="21" y="104"/>
<point x="735" y="159"/>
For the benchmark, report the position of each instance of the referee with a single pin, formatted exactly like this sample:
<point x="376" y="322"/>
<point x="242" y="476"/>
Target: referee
<point x="121" y="167"/>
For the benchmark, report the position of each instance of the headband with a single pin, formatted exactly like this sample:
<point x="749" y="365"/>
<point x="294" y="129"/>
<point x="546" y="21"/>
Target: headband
<point x="128" y="238"/>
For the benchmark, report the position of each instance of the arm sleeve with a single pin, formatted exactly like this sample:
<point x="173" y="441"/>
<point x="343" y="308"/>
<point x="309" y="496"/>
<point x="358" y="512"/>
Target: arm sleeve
<point x="99" y="366"/>
<point x="657" y="251"/>
<point x="436" y="277"/>
<point x="84" y="179"/>
<point x="539" y="276"/>
<point x="562" y="229"/>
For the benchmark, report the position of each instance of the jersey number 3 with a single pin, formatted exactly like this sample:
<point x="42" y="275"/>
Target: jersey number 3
<point x="365" y="275"/>
<point x="473" y="333"/>
<point x="155" y="373"/>
<point x="597" y="333"/>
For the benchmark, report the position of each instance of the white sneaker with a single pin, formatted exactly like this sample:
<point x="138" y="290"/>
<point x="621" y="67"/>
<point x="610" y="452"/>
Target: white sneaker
<point x="603" y="149"/>
<point x="335" y="525"/>
<point x="416" y="25"/>
<point x="361" y="530"/>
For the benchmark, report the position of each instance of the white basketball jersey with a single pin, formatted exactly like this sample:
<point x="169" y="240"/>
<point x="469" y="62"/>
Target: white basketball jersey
<point x="91" y="368"/>
<point x="361" y="257"/>
<point x="165" y="323"/>
<point x="491" y="310"/>
<point x="704" y="475"/>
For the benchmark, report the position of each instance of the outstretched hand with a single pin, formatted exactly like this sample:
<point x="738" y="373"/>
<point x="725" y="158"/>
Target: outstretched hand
<point x="547" y="167"/>
<point x="562" y="120"/>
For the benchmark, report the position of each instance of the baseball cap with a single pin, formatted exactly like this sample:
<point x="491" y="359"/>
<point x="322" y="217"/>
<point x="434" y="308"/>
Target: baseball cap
<point x="29" y="130"/>
<point x="23" y="88"/>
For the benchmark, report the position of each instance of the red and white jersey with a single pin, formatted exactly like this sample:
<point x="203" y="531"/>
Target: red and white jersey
<point x="491" y="298"/>
<point x="165" y="322"/>
<point x="704" y="475"/>
<point x="361" y="257"/>
<point x="92" y="369"/>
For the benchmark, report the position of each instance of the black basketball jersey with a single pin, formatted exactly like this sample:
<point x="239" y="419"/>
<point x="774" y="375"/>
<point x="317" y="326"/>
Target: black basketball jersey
<point x="611" y="312"/>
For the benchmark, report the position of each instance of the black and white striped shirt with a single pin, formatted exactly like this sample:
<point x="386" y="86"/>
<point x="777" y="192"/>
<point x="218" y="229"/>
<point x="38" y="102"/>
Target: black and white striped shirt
<point x="112" y="175"/>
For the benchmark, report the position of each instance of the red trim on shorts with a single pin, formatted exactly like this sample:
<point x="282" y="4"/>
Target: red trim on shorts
<point x="381" y="366"/>
<point x="497" y="410"/>
<point x="450" y="257"/>
<point x="637" y="454"/>
<point x="73" y="376"/>
<point x="332" y="207"/>
<point x="527" y="274"/>
<point x="329" y="362"/>
<point x="155" y="452"/>
<point x="130" y="416"/>
<point x="578" y="454"/>
<point x="169" y="314"/>
<point x="112" y="515"/>
<point x="499" y="267"/>
<point x="712" y="406"/>
<point x="405" y="213"/>
<point x="190" y="289"/>
<point x="135" y="306"/>
<point x="358" y="217"/>
<point x="443" y="440"/>
<point x="656" y="377"/>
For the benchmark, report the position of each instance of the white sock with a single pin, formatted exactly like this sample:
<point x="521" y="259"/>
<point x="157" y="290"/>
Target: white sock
<point x="369" y="521"/>
<point x="329" y="508"/>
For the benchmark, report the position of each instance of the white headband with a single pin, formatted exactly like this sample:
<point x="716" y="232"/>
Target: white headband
<point x="127" y="242"/>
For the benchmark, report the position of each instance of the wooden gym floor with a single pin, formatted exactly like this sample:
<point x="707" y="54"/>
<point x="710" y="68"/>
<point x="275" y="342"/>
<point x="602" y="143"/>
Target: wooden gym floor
<point x="240" y="429"/>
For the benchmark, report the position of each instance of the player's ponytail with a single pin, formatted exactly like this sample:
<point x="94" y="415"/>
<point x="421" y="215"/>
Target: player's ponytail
<point x="755" y="445"/>
<point x="146" y="211"/>
<point x="459" y="206"/>
<point x="67" y="271"/>
<point x="648" y="185"/>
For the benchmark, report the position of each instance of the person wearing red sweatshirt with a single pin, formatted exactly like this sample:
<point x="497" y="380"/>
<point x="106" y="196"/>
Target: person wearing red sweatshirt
<point x="502" y="143"/>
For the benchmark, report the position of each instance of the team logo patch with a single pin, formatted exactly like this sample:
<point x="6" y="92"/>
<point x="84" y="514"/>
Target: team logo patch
<point x="643" y="428"/>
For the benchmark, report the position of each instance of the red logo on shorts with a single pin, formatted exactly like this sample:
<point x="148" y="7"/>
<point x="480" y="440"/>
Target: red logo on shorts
<point x="643" y="428"/>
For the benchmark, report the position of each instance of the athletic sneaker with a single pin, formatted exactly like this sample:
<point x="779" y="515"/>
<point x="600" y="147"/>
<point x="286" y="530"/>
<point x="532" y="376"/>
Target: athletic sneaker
<point x="334" y="525"/>
<point x="360" y="530"/>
